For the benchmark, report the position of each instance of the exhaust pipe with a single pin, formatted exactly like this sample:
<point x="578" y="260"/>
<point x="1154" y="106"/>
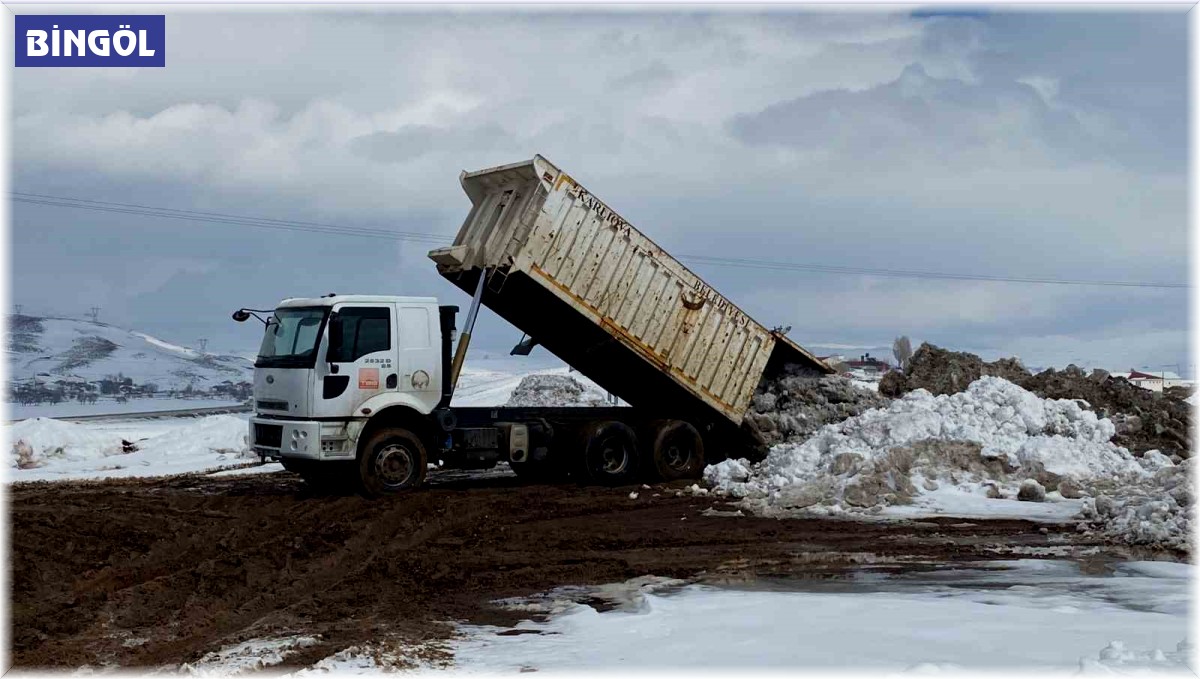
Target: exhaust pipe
<point x="464" y="339"/>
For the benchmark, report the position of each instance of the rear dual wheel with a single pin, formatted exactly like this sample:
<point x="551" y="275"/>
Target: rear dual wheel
<point x="676" y="450"/>
<point x="610" y="454"/>
<point x="613" y="455"/>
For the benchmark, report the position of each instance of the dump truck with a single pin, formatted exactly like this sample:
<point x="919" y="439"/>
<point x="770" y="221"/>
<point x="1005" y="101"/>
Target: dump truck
<point x="360" y="388"/>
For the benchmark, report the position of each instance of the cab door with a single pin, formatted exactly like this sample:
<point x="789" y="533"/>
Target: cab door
<point x="419" y="356"/>
<point x="359" y="358"/>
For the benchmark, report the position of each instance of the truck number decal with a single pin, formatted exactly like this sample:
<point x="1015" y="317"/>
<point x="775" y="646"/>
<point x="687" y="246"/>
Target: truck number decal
<point x="368" y="378"/>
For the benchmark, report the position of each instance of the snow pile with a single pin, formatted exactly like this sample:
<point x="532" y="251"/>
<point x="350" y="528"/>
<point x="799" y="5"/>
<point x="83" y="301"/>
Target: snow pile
<point x="48" y="449"/>
<point x="1117" y="658"/>
<point x="548" y="389"/>
<point x="985" y="441"/>
<point x="1155" y="510"/>
<point x="39" y="441"/>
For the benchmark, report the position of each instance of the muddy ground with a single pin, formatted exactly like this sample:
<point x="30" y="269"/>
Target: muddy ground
<point x="159" y="572"/>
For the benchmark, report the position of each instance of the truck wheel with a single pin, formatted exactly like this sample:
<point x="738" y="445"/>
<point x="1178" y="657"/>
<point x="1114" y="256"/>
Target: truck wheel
<point x="392" y="460"/>
<point x="677" y="451"/>
<point x="610" y="454"/>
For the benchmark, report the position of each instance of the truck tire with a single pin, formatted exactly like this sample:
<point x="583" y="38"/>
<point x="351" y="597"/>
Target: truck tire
<point x="390" y="461"/>
<point x="676" y="451"/>
<point x="610" y="454"/>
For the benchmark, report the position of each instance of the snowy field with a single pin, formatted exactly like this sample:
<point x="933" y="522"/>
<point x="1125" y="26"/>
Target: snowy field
<point x="1032" y="615"/>
<point x="48" y="450"/>
<point x="45" y="449"/>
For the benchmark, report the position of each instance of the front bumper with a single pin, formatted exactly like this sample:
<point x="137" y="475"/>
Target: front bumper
<point x="306" y="439"/>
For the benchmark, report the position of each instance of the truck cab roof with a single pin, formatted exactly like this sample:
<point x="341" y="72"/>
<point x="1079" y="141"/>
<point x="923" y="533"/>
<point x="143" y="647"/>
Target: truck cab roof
<point x="352" y="299"/>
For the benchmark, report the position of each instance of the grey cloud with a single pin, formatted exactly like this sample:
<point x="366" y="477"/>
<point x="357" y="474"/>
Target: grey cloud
<point x="918" y="115"/>
<point x="786" y="135"/>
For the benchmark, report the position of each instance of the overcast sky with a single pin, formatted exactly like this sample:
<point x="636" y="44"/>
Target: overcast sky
<point x="1005" y="144"/>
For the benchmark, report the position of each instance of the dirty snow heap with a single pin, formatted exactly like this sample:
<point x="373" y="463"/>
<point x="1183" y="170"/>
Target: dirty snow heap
<point x="986" y="442"/>
<point x="1145" y="420"/>
<point x="542" y="390"/>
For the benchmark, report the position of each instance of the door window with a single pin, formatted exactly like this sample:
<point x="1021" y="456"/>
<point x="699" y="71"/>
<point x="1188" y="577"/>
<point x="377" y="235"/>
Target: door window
<point x="358" y="331"/>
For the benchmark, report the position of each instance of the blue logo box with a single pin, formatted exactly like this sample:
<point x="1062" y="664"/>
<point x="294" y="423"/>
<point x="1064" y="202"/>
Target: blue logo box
<point x="91" y="40"/>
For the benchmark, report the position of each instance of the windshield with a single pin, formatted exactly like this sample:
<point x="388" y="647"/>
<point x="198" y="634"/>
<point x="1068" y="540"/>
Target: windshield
<point x="291" y="338"/>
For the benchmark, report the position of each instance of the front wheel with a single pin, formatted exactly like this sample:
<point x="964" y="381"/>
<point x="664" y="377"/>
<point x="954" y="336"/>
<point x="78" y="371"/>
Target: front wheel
<point x="392" y="460"/>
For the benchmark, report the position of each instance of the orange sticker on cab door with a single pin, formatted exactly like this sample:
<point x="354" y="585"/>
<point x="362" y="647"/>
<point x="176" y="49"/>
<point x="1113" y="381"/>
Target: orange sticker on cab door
<point x="368" y="378"/>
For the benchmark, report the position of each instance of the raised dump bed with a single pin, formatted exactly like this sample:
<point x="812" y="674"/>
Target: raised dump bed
<point x="572" y="274"/>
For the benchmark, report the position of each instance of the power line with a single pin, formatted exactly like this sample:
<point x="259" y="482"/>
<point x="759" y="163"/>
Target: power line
<point x="823" y="268"/>
<point x="318" y="227"/>
<point x="221" y="218"/>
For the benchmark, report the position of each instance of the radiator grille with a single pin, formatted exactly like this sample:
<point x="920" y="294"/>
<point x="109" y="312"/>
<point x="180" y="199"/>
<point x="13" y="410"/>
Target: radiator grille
<point x="270" y="435"/>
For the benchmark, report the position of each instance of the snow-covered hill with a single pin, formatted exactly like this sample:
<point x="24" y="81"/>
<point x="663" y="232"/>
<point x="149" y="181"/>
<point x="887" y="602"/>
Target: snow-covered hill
<point x="62" y="347"/>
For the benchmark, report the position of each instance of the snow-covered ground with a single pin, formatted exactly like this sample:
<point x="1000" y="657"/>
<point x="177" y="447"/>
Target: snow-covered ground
<point x="44" y="449"/>
<point x="1033" y="615"/>
<point x="108" y="406"/>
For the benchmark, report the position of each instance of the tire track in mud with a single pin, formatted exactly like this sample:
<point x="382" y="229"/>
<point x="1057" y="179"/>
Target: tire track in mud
<point x="160" y="571"/>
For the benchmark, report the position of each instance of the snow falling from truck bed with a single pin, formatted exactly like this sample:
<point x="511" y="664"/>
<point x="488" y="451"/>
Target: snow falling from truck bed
<point x="977" y="452"/>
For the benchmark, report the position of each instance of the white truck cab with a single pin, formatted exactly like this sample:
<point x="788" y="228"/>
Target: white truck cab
<point x="327" y="364"/>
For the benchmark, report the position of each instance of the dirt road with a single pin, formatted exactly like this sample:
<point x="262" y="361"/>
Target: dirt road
<point x="158" y="572"/>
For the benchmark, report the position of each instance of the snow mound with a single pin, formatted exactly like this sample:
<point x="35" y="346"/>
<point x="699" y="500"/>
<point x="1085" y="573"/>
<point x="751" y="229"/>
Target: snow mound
<point x="548" y="390"/>
<point x="1117" y="658"/>
<point x="985" y="441"/>
<point x="1155" y="510"/>
<point x="44" y="448"/>
<point x="40" y="441"/>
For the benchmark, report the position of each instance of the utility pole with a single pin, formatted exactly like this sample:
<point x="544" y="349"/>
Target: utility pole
<point x="95" y="314"/>
<point x="203" y="342"/>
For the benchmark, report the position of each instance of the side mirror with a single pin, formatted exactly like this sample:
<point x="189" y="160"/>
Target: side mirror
<point x="241" y="315"/>
<point x="523" y="347"/>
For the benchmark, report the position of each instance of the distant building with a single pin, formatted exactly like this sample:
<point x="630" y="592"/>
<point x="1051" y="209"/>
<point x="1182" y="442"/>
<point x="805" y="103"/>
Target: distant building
<point x="1154" y="381"/>
<point x="869" y="365"/>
